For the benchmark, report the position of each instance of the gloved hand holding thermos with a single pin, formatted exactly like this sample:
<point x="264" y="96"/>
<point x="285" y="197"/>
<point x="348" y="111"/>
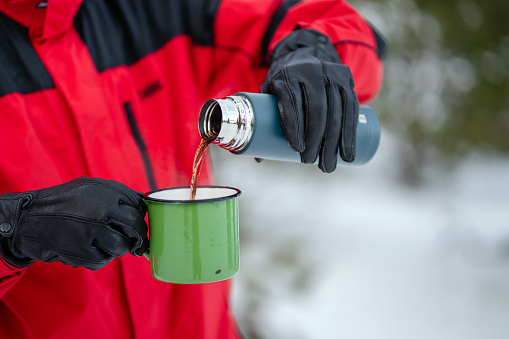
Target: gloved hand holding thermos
<point x="314" y="110"/>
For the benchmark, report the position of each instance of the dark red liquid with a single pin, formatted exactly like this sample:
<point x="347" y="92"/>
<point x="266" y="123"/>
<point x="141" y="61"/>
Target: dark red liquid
<point x="197" y="164"/>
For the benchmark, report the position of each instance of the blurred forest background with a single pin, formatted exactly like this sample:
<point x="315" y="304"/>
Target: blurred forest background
<point x="415" y="244"/>
<point x="446" y="79"/>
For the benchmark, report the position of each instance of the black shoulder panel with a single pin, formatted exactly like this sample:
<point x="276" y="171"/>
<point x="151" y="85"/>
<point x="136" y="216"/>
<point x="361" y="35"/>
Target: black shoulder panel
<point x="21" y="70"/>
<point x="381" y="42"/>
<point x="278" y="16"/>
<point x="120" y="32"/>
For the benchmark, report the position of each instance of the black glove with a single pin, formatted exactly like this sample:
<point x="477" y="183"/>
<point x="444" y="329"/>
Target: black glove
<point x="318" y="107"/>
<point x="85" y="222"/>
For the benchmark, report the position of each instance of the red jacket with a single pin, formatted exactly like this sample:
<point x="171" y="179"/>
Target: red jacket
<point x="112" y="89"/>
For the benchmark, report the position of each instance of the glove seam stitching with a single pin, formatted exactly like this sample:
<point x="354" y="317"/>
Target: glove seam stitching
<point x="294" y="104"/>
<point x="57" y="251"/>
<point x="91" y="221"/>
<point x="344" y="96"/>
<point x="328" y="88"/>
<point x="91" y="182"/>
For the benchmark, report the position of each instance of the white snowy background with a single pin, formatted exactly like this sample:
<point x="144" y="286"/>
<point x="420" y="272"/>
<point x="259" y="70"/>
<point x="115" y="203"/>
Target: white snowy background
<point x="358" y="254"/>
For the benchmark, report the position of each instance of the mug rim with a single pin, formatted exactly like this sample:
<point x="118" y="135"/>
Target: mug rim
<point x="187" y="201"/>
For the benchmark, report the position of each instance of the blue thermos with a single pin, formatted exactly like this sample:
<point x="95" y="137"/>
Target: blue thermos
<point x="248" y="124"/>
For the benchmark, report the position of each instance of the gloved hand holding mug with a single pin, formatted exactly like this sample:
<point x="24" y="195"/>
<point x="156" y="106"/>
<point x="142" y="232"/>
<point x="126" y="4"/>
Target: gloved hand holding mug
<point x="85" y="222"/>
<point x="317" y="103"/>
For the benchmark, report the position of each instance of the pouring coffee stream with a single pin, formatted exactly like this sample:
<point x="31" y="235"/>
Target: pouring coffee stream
<point x="198" y="163"/>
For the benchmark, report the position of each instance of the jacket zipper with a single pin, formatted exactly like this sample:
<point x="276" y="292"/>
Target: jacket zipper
<point x="142" y="147"/>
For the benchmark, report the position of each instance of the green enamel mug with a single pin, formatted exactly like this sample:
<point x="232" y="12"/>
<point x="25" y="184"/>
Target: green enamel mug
<point x="193" y="241"/>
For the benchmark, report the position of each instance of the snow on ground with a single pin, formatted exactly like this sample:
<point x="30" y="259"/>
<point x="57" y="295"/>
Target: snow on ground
<point x="356" y="254"/>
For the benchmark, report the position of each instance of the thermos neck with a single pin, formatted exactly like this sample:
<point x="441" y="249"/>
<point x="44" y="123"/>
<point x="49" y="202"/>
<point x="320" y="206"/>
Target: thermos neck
<point x="229" y="122"/>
